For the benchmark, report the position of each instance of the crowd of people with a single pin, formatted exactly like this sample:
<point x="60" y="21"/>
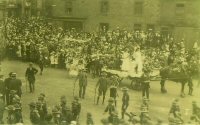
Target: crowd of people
<point x="35" y="40"/>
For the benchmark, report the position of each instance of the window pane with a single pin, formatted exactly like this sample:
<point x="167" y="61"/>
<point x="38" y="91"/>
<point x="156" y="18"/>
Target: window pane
<point x="137" y="27"/>
<point x="104" y="6"/>
<point x="138" y="8"/>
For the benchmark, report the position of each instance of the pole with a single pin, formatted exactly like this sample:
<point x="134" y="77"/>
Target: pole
<point x="95" y="96"/>
<point x="26" y="85"/>
<point x="74" y="88"/>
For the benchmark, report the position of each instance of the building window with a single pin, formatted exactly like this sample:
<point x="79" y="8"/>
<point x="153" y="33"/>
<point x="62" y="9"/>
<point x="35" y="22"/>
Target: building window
<point x="137" y="27"/>
<point x="138" y="8"/>
<point x="150" y="27"/>
<point x="165" y="31"/>
<point x="104" y="27"/>
<point x="68" y="9"/>
<point x="104" y="7"/>
<point x="180" y="9"/>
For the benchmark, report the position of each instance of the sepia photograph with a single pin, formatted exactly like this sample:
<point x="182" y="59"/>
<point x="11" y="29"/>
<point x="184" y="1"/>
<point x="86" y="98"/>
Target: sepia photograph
<point x="99" y="62"/>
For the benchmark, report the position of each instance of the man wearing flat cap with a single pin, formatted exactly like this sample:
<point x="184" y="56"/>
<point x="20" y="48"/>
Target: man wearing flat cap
<point x="30" y="76"/>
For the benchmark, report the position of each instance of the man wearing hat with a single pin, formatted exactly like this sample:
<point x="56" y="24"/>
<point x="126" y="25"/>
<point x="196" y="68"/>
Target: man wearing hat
<point x="15" y="84"/>
<point x="144" y="116"/>
<point x="34" y="113"/>
<point x="2" y="107"/>
<point x="56" y="113"/>
<point x="89" y="119"/>
<point x="7" y="89"/>
<point x="125" y="101"/>
<point x="76" y="108"/>
<point x="174" y="113"/>
<point x="42" y="107"/>
<point x="145" y="84"/>
<point x="113" y="88"/>
<point x="102" y="85"/>
<point x="30" y="76"/>
<point x="66" y="115"/>
<point x="82" y="76"/>
<point x="195" y="109"/>
<point x="110" y="108"/>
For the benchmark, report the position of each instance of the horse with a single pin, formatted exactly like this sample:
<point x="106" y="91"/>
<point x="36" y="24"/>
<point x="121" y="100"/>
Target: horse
<point x="180" y="76"/>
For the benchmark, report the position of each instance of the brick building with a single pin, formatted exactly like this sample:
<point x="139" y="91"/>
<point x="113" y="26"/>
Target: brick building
<point x="178" y="17"/>
<point x="91" y="15"/>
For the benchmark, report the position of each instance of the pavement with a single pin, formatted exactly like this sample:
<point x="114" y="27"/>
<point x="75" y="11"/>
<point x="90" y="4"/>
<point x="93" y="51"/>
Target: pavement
<point x="56" y="82"/>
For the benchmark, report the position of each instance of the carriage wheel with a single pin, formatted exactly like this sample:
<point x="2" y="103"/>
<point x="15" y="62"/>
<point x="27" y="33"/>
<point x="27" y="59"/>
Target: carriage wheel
<point x="135" y="84"/>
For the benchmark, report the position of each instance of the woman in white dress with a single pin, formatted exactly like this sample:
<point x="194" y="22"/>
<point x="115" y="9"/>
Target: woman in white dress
<point x="19" y="51"/>
<point x="74" y="68"/>
<point x="138" y="61"/>
<point x="125" y="61"/>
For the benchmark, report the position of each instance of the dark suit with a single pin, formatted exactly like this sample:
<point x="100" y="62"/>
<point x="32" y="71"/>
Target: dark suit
<point x="125" y="103"/>
<point x="82" y="76"/>
<point x="6" y="83"/>
<point x="2" y="89"/>
<point x="30" y="74"/>
<point x="15" y="84"/>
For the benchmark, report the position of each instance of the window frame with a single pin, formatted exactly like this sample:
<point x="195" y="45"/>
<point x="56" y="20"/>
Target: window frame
<point x="102" y="11"/>
<point x="138" y="8"/>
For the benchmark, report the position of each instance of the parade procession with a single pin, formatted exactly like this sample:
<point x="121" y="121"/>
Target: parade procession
<point x="66" y="63"/>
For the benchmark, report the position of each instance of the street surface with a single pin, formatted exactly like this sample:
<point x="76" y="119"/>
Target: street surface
<point x="56" y="82"/>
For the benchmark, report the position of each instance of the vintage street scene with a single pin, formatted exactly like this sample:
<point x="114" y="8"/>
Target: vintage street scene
<point x="99" y="62"/>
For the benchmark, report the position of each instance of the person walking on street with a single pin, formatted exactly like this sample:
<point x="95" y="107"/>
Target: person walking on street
<point x="30" y="76"/>
<point x="6" y="83"/>
<point x="125" y="101"/>
<point x="145" y="85"/>
<point x="76" y="109"/>
<point x="82" y="77"/>
<point x="102" y="85"/>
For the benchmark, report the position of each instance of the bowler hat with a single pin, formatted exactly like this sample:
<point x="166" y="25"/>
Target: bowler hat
<point x="124" y="89"/>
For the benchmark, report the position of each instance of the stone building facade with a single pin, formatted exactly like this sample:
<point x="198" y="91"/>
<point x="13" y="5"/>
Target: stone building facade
<point x="181" y="18"/>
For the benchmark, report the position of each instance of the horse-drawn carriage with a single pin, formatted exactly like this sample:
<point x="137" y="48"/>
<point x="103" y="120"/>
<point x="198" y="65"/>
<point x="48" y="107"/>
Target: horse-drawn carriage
<point x="177" y="73"/>
<point x="135" y="78"/>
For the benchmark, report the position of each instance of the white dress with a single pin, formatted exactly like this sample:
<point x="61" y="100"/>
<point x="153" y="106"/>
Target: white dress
<point x="74" y="68"/>
<point x="125" y="62"/>
<point x="139" y="61"/>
